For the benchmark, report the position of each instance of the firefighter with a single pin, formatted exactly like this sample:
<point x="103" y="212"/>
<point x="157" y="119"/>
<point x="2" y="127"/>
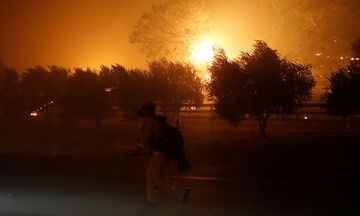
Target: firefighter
<point x="155" y="178"/>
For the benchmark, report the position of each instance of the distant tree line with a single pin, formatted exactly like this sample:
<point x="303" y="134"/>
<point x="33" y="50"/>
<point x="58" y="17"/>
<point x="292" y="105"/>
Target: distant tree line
<point x="89" y="94"/>
<point x="259" y="83"/>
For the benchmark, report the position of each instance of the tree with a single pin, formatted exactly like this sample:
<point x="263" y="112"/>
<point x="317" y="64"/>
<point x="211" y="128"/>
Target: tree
<point x="58" y="78"/>
<point x="36" y="87"/>
<point x="11" y="100"/>
<point x="259" y="83"/>
<point x="43" y="88"/>
<point x="175" y="84"/>
<point x="355" y="47"/>
<point x="85" y="97"/>
<point x="2" y="66"/>
<point x="169" y="29"/>
<point x="227" y="87"/>
<point x="114" y="79"/>
<point x="170" y="84"/>
<point x="127" y="88"/>
<point x="342" y="97"/>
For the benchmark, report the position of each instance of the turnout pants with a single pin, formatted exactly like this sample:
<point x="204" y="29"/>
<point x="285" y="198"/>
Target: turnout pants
<point x="157" y="181"/>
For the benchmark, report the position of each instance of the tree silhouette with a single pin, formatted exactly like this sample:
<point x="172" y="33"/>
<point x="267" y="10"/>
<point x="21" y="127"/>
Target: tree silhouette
<point x="170" y="84"/>
<point x="342" y="97"/>
<point x="58" y="77"/>
<point x="11" y="100"/>
<point x="127" y="88"/>
<point x="43" y="88"/>
<point x="168" y="29"/>
<point x="85" y="97"/>
<point x="2" y="66"/>
<point x="175" y="84"/>
<point x="228" y="87"/>
<point x="36" y="88"/>
<point x="355" y="47"/>
<point x="259" y="83"/>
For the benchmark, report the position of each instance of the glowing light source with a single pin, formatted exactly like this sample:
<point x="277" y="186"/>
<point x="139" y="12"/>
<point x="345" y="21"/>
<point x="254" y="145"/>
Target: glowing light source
<point x="193" y="108"/>
<point x="34" y="114"/>
<point x="202" y="52"/>
<point x="109" y="89"/>
<point x="207" y="78"/>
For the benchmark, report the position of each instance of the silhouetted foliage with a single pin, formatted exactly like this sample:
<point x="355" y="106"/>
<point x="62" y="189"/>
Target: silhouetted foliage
<point x="175" y="84"/>
<point x="127" y="88"/>
<point x="227" y="87"/>
<point x="259" y="83"/>
<point x="355" y="47"/>
<point x="170" y="84"/>
<point x="11" y="99"/>
<point x="59" y="78"/>
<point x="35" y="87"/>
<point x="343" y="96"/>
<point x="113" y="78"/>
<point x="136" y="90"/>
<point x="85" y="97"/>
<point x="2" y="66"/>
<point x="169" y="29"/>
<point x="43" y="88"/>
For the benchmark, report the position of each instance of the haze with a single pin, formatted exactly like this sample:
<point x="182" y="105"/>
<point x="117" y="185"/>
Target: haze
<point x="92" y="33"/>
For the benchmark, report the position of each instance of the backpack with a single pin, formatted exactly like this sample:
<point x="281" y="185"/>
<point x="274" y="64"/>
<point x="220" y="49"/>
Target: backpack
<point x="172" y="143"/>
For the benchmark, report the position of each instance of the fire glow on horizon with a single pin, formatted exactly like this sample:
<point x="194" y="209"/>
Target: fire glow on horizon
<point x="202" y="55"/>
<point x="202" y="52"/>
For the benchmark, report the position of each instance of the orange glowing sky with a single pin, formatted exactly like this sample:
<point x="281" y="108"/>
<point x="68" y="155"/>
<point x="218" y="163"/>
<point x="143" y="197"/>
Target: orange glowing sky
<point x="96" y="32"/>
<point x="69" y="33"/>
<point x="91" y="33"/>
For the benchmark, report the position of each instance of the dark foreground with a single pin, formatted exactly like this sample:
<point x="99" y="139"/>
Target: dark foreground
<point x="60" y="195"/>
<point x="306" y="171"/>
<point x="272" y="183"/>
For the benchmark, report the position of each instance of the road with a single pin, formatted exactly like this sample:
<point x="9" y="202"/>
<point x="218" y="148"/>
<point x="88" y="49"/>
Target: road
<point x="42" y="192"/>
